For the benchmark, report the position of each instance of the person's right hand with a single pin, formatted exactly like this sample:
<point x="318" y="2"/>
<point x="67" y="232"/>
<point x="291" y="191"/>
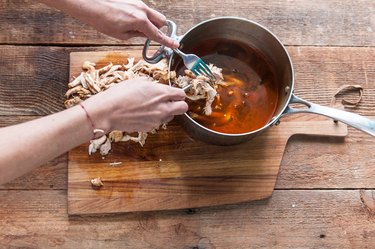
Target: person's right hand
<point x="124" y="19"/>
<point x="135" y="105"/>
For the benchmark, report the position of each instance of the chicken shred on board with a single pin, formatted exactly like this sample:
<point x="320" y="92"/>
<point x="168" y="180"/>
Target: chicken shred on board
<point x="92" y="81"/>
<point x="97" y="182"/>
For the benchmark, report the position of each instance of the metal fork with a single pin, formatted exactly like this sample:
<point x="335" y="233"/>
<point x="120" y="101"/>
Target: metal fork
<point x="191" y="61"/>
<point x="195" y="64"/>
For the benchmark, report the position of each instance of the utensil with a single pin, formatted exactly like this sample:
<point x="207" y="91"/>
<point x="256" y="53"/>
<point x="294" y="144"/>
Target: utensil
<point x="266" y="43"/>
<point x="191" y="61"/>
<point x="195" y="64"/>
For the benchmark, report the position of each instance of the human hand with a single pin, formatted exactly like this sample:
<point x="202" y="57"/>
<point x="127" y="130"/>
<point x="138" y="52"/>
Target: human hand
<point x="135" y="105"/>
<point x="124" y="19"/>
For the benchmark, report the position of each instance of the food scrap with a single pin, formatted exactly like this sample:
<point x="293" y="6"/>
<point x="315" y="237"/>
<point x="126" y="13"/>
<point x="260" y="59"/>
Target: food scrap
<point x="114" y="164"/>
<point x="97" y="182"/>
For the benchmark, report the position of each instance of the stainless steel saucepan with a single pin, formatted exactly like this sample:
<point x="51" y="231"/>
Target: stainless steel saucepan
<point x="260" y="38"/>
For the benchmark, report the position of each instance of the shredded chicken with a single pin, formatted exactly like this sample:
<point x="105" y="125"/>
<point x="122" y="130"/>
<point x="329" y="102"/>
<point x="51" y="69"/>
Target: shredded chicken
<point x="92" y="81"/>
<point x="202" y="87"/>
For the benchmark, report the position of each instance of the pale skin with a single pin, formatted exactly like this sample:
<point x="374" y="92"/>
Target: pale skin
<point x="133" y="105"/>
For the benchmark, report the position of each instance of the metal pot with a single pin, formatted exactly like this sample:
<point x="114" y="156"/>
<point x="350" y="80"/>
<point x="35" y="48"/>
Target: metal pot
<point x="269" y="45"/>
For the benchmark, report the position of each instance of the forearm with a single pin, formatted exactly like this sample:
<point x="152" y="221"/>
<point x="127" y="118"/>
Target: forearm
<point x="80" y="9"/>
<point x="64" y="5"/>
<point x="28" y="145"/>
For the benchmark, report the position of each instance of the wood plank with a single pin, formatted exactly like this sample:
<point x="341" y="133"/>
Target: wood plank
<point x="290" y="219"/>
<point x="330" y="67"/>
<point x="34" y="79"/>
<point x="319" y="72"/>
<point x="311" y="162"/>
<point x="304" y="22"/>
<point x="301" y="165"/>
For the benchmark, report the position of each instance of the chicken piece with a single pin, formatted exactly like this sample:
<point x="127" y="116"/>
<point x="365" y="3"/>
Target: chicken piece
<point x="115" y="136"/>
<point x="211" y="93"/>
<point x="72" y="102"/>
<point x="137" y="66"/>
<point x="161" y="76"/>
<point x="172" y="75"/>
<point x="77" y="90"/>
<point x="92" y="86"/>
<point x="110" y="71"/>
<point x="105" y="69"/>
<point x="89" y="66"/>
<point x="105" y="147"/>
<point x="96" y="143"/>
<point x="129" y="65"/>
<point x="97" y="182"/>
<point x="190" y="74"/>
<point x="182" y="81"/>
<point x="202" y="87"/>
<point x="106" y="81"/>
<point x="141" y="138"/>
<point x="217" y="72"/>
<point x="75" y="82"/>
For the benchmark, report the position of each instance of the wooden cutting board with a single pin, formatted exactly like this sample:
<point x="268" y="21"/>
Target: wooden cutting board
<point x="172" y="171"/>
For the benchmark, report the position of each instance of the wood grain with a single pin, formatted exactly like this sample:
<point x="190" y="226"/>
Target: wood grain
<point x="290" y="219"/>
<point x="34" y="79"/>
<point x="297" y="22"/>
<point x="172" y="171"/>
<point x="331" y="67"/>
<point x="300" y="168"/>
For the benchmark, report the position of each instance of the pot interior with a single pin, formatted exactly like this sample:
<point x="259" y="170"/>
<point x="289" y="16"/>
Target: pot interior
<point x="255" y="65"/>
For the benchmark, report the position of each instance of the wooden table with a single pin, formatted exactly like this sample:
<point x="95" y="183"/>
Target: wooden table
<point x="324" y="197"/>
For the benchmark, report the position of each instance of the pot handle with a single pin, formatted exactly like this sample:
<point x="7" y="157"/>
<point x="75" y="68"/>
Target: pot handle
<point x="357" y="121"/>
<point x="163" y="51"/>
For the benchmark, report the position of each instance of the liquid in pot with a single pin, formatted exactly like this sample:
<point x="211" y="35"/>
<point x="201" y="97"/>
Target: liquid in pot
<point x="250" y="99"/>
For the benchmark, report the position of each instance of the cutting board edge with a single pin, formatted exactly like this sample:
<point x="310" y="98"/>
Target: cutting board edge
<point x="73" y="213"/>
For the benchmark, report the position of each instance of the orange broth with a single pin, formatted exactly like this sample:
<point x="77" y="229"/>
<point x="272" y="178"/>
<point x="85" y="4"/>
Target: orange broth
<point x="250" y="100"/>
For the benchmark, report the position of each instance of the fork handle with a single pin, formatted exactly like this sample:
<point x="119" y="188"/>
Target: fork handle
<point x="162" y="51"/>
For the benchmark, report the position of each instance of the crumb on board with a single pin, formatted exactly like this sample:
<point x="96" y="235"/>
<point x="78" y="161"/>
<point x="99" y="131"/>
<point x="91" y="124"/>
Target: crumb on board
<point x="97" y="182"/>
<point x="115" y="164"/>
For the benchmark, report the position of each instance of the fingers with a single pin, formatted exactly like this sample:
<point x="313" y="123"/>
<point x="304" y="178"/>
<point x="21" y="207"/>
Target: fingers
<point x="174" y="108"/>
<point x="156" y="18"/>
<point x="176" y="94"/>
<point x="155" y="34"/>
<point x="171" y="93"/>
<point x="177" y="107"/>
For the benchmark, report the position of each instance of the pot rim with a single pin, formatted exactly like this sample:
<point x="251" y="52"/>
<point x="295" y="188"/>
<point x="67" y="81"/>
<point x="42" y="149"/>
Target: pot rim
<point x="275" y="118"/>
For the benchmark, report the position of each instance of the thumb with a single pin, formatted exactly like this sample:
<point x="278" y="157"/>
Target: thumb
<point x="155" y="34"/>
